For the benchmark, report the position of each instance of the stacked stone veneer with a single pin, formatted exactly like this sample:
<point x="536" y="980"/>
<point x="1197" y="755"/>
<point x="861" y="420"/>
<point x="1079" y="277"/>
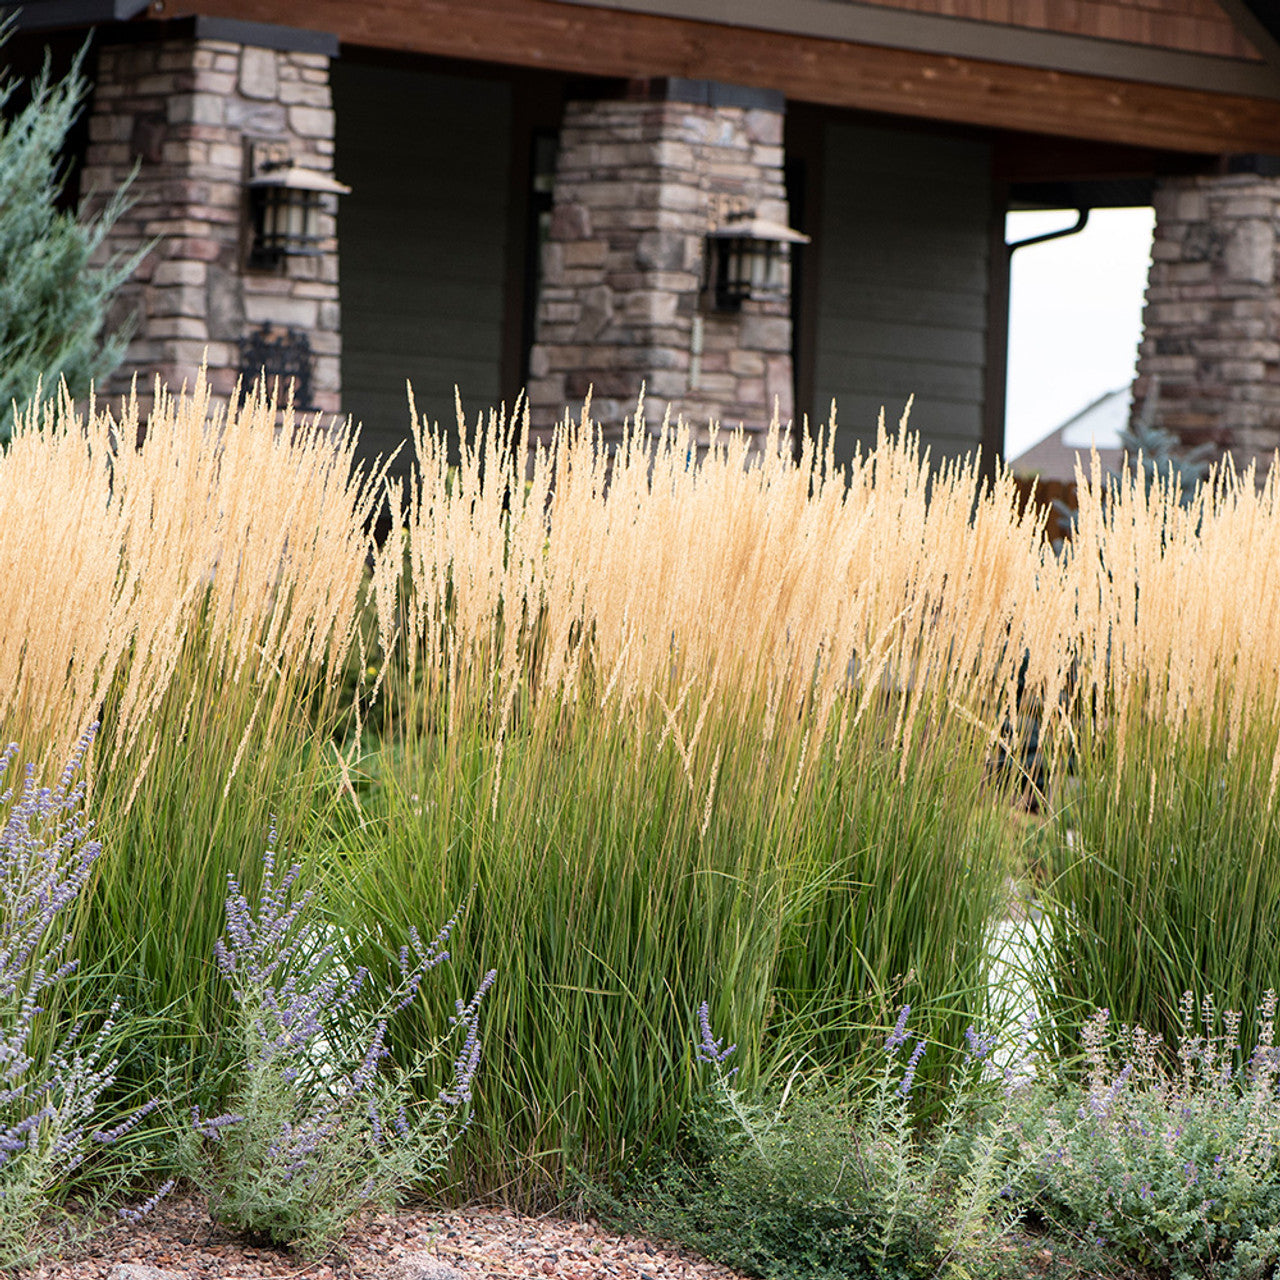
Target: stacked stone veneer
<point x="623" y="267"/>
<point x="185" y="111"/>
<point x="1210" y="353"/>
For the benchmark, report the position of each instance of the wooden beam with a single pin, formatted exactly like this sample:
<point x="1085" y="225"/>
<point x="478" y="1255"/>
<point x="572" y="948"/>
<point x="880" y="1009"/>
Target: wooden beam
<point x="1022" y="157"/>
<point x="1086" y="52"/>
<point x="570" y="38"/>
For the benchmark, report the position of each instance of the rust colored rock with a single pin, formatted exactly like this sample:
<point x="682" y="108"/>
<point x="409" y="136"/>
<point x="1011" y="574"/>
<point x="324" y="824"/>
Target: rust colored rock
<point x="423" y="1266"/>
<point x="140" y="1271"/>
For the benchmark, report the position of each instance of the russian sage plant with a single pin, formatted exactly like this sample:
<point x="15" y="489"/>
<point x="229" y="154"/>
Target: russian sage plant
<point x="822" y="1185"/>
<point x="49" y="1097"/>
<point x="321" y="1123"/>
<point x="1170" y="1159"/>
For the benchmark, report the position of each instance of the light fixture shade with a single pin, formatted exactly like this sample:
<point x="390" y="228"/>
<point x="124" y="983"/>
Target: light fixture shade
<point x="285" y="201"/>
<point x="749" y="257"/>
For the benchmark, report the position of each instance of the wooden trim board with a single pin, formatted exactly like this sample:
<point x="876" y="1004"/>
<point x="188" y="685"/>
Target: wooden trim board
<point x="965" y="38"/>
<point x="575" y="39"/>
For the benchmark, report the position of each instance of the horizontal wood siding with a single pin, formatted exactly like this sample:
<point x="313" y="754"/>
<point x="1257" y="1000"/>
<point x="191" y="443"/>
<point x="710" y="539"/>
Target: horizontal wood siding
<point x="902" y="291"/>
<point x="421" y="243"/>
<point x="1193" y="26"/>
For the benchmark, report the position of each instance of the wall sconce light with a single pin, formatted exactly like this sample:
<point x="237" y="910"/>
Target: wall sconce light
<point x="746" y="257"/>
<point x="285" y="201"/>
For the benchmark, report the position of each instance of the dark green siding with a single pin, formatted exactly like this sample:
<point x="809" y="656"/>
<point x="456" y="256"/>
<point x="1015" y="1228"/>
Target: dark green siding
<point x="422" y="243"/>
<point x="902" y="294"/>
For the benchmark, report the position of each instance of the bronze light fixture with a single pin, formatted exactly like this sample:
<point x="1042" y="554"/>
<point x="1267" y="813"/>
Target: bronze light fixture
<point x="285" y="201"/>
<point x="747" y="258"/>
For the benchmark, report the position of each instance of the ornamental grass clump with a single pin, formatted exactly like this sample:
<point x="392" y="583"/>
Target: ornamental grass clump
<point x="52" y="1077"/>
<point x="205" y="607"/>
<point x="692" y="716"/>
<point x="1164" y="734"/>
<point x="1166" y="1156"/>
<point x="319" y="1123"/>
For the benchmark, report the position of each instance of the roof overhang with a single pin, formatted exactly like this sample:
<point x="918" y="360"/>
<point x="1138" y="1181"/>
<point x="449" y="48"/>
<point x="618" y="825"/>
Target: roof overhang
<point x="48" y="15"/>
<point x="111" y="17"/>
<point x="1170" y="101"/>
<point x="872" y="23"/>
<point x="1259" y="22"/>
<point x="1267" y="12"/>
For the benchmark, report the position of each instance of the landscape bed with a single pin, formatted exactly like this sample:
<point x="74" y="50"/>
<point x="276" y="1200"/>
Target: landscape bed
<point x="655" y="724"/>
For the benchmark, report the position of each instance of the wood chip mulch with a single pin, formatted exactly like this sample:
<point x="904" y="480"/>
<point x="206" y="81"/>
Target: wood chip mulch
<point x="179" y="1237"/>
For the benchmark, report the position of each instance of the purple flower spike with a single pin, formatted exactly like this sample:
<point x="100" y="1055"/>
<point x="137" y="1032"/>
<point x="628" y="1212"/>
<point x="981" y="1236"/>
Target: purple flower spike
<point x="710" y="1051"/>
<point x="977" y="1044"/>
<point x="909" y="1075"/>
<point x="136" y="1215"/>
<point x="330" y="1132"/>
<point x="898" y="1036"/>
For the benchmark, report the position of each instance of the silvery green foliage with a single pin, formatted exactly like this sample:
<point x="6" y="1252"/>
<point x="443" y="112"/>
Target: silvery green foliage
<point x="48" y="1101"/>
<point x="820" y="1186"/>
<point x="53" y="301"/>
<point x="1163" y="455"/>
<point x="1167" y="1159"/>
<point x="320" y="1122"/>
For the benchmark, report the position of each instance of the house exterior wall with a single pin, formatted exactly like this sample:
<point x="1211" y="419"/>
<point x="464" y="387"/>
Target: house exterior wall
<point x="623" y="274"/>
<point x="185" y="111"/>
<point x="423" y="269"/>
<point x="902" y="247"/>
<point x="624" y="267"/>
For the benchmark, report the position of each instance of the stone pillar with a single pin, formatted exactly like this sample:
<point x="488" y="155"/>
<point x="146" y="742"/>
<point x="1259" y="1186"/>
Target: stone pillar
<point x="622" y="300"/>
<point x="1210" y="353"/>
<point x="187" y="110"/>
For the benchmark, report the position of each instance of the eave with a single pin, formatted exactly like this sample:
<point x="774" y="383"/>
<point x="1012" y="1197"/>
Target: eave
<point x="842" y="73"/>
<point x="927" y="83"/>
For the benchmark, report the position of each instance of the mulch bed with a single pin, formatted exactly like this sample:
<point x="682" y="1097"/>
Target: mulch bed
<point x="178" y="1236"/>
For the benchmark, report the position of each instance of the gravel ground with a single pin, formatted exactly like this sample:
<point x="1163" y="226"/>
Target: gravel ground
<point x="178" y="1236"/>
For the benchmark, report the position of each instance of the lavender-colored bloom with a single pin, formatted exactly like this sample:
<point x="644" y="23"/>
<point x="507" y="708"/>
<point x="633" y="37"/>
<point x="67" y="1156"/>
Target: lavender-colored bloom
<point x="1102" y="1105"/>
<point x="136" y="1215"/>
<point x="710" y="1051"/>
<point x="898" y="1036"/>
<point x="128" y="1124"/>
<point x="363" y="1075"/>
<point x="45" y="858"/>
<point x="213" y="1127"/>
<point x="468" y="1059"/>
<point x="909" y="1075"/>
<point x="977" y="1044"/>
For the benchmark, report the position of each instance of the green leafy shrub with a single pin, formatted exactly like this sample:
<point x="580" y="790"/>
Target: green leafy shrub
<point x="53" y="302"/>
<point x="820" y="1186"/>
<point x="1169" y="1161"/>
